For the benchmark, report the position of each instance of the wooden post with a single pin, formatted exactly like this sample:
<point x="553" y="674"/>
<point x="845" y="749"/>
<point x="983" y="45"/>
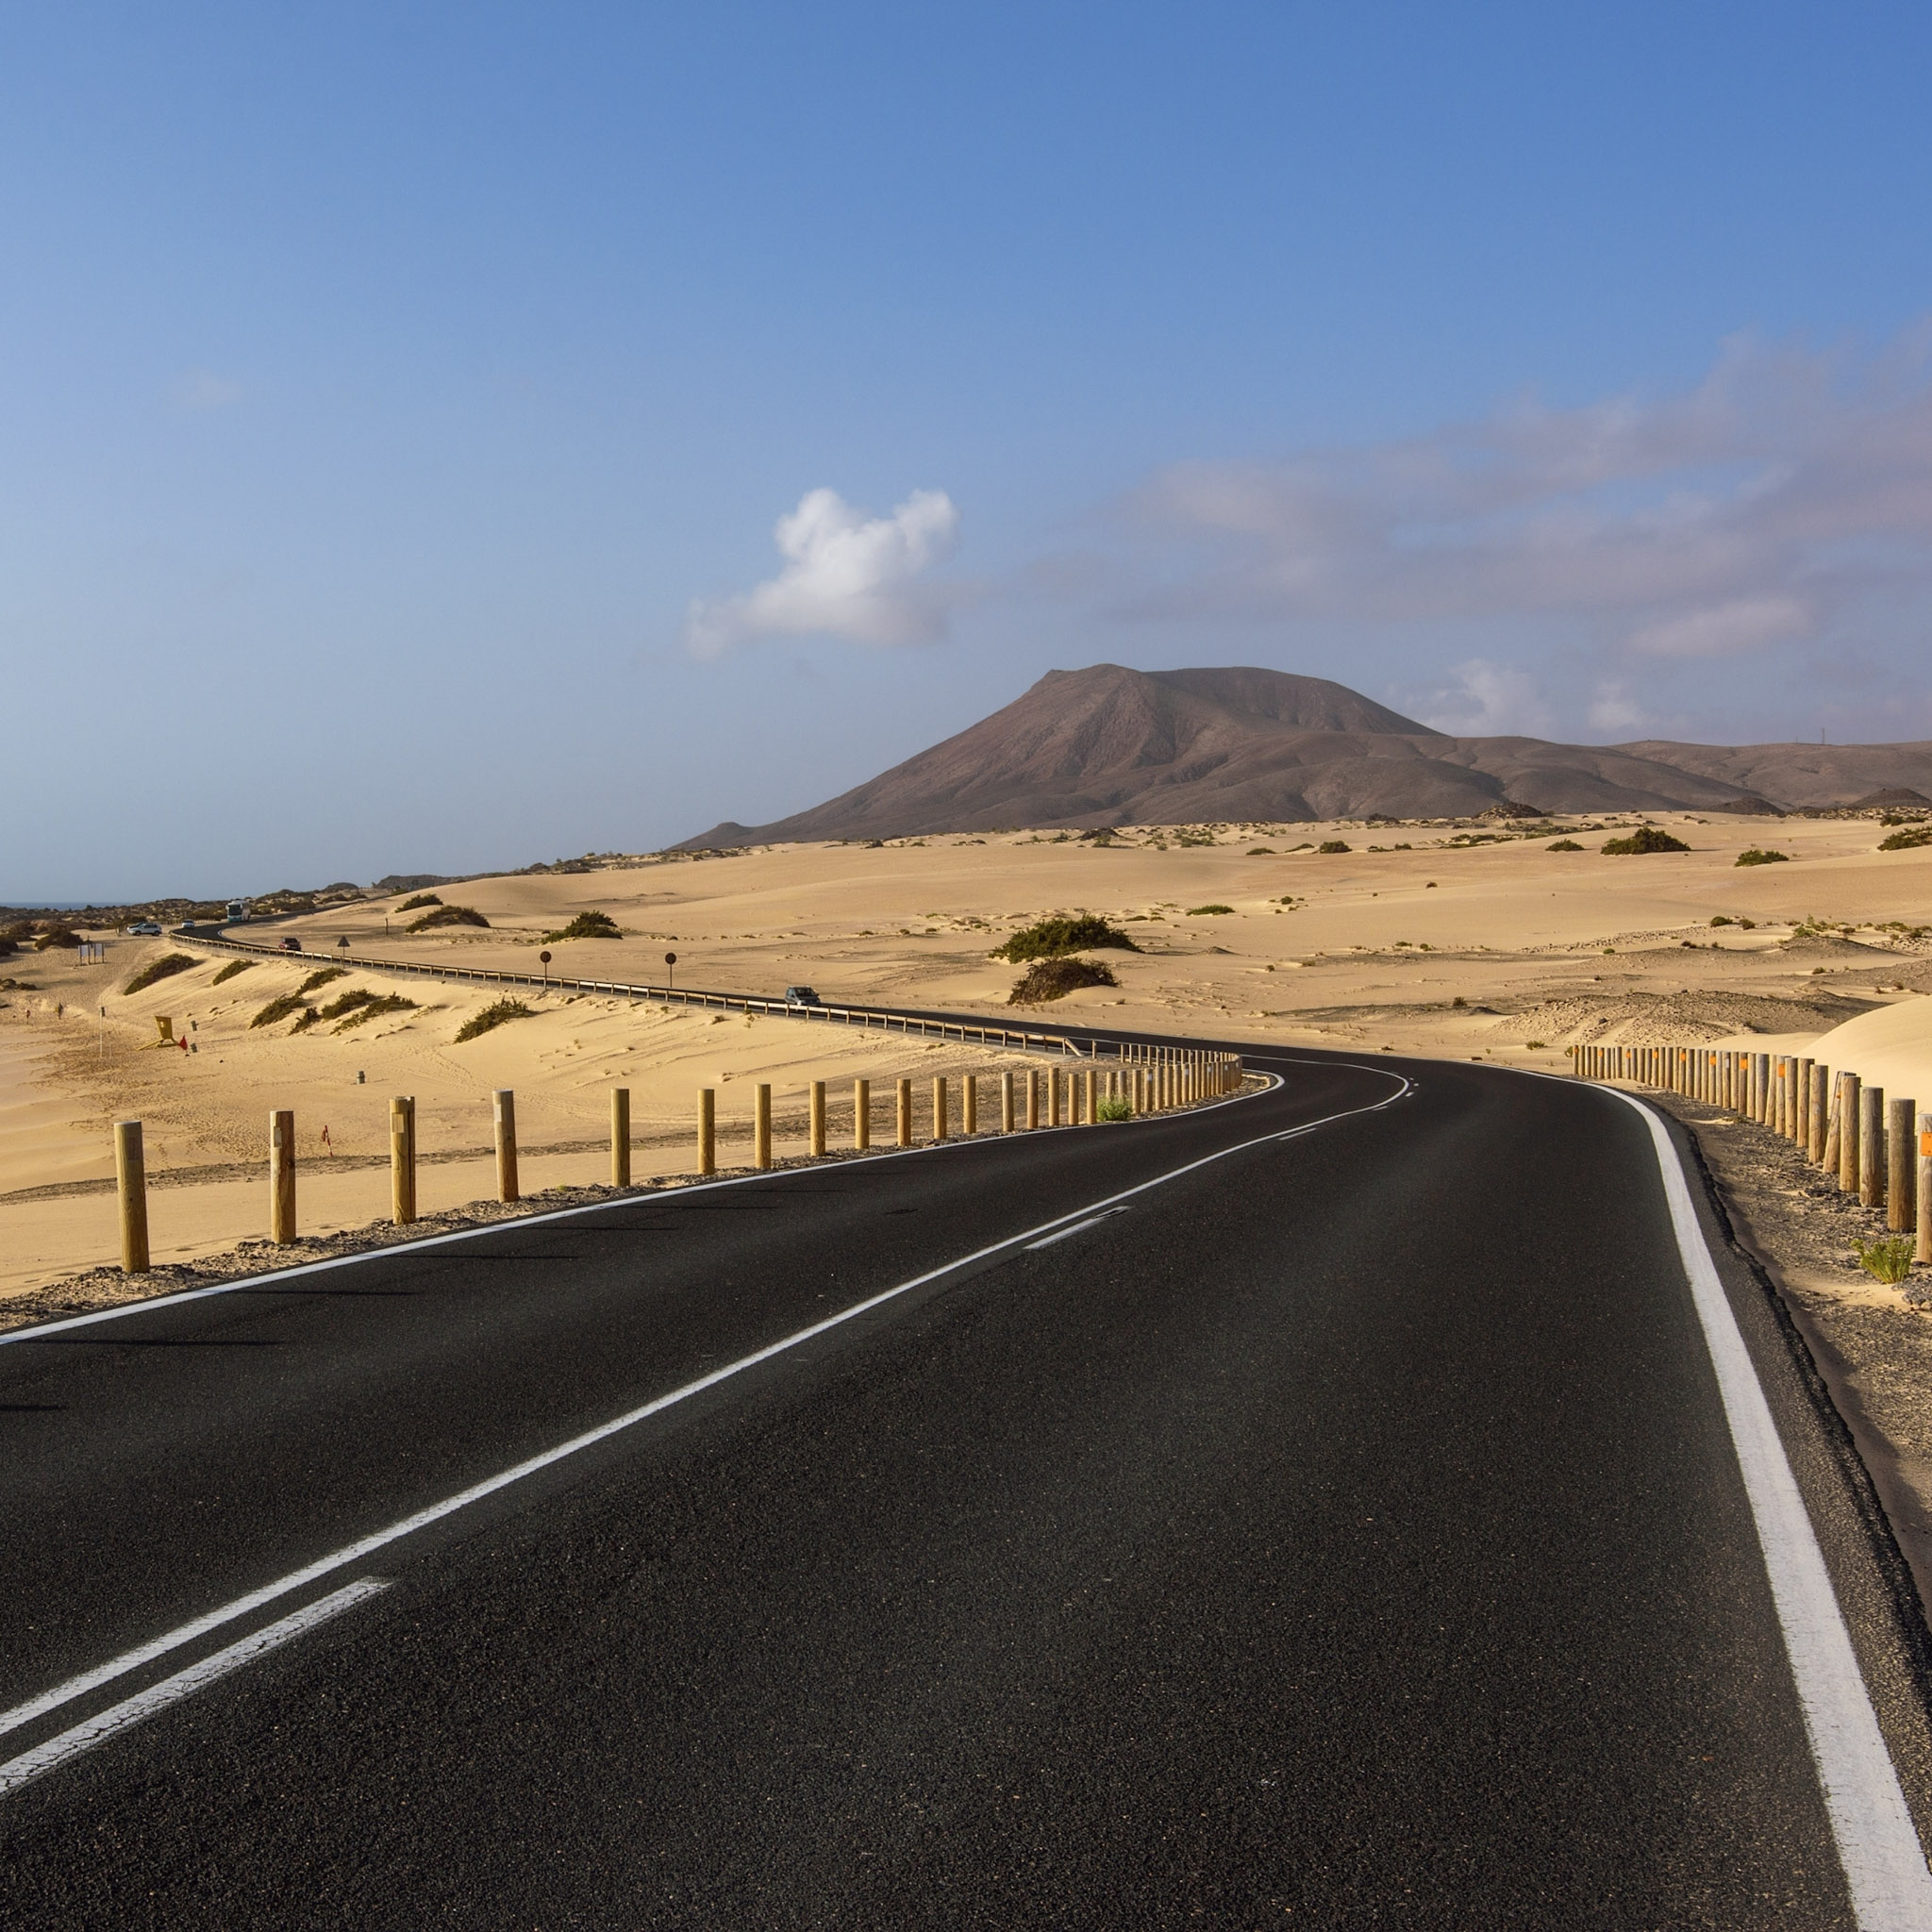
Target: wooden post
<point x="1901" y="1181"/>
<point x="1845" y="1133"/>
<point x="707" y="1130"/>
<point x="402" y="1159"/>
<point x="969" y="1125"/>
<point x="1821" y="1110"/>
<point x="1006" y="1102"/>
<point x="1872" y="1147"/>
<point x="1053" y="1096"/>
<point x="281" y="1176"/>
<point x="1801" y="1127"/>
<point x="130" y="1180"/>
<point x="1924" y="1251"/>
<point x="1760" y="1087"/>
<point x="1092" y="1097"/>
<point x="818" y="1117"/>
<point x="620" y="1136"/>
<point x="1032" y="1098"/>
<point x="861" y="1114"/>
<point x="761" y="1125"/>
<point x="939" y="1108"/>
<point x="505" y="1103"/>
<point x="905" y="1113"/>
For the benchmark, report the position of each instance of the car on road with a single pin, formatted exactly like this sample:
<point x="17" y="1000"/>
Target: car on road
<point x="146" y="928"/>
<point x="290" y="945"/>
<point x="802" y="996"/>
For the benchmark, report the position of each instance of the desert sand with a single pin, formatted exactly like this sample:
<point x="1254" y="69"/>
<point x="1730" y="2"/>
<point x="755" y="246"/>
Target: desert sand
<point x="1479" y="942"/>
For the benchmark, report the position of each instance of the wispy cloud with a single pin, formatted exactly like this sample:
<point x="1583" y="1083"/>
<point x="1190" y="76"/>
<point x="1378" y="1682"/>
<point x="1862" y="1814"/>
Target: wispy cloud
<point x="1486" y="700"/>
<point x="846" y="575"/>
<point x="200" y="389"/>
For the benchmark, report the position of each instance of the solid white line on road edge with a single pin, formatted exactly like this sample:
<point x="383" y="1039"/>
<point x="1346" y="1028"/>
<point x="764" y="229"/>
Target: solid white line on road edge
<point x="118" y="1718"/>
<point x="435" y="1512"/>
<point x="1884" y="1863"/>
<point x="1078" y="1227"/>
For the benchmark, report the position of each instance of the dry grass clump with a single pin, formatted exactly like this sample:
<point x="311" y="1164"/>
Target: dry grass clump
<point x="447" y="915"/>
<point x="1333" y="845"/>
<point x="1760" y="855"/>
<point x="1644" y="839"/>
<point x="229" y="971"/>
<point x="420" y="900"/>
<point x="1887" y="1260"/>
<point x="1905" y="840"/>
<point x="1564" y="845"/>
<point x="491" y="1017"/>
<point x="1206" y="911"/>
<point x="279" y="1009"/>
<point x="374" y="1007"/>
<point x="321" y="976"/>
<point x="1053" y="979"/>
<point x="1047" y="938"/>
<point x="164" y="968"/>
<point x="587" y="925"/>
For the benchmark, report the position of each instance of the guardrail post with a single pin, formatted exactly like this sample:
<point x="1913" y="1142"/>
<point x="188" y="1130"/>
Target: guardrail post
<point x="761" y="1125"/>
<point x="1800" y="1126"/>
<point x="969" y="1095"/>
<point x="1053" y="1096"/>
<point x="402" y="1159"/>
<point x="1006" y="1102"/>
<point x="1872" y="1147"/>
<point x="905" y="1113"/>
<point x="503" y="1105"/>
<point x="1090" y="1081"/>
<point x="818" y="1118"/>
<point x="939" y="1108"/>
<point x="130" y="1182"/>
<point x="1821" y="1110"/>
<point x="620" y="1136"/>
<point x="1900" y="1193"/>
<point x="1924" y="1190"/>
<point x="281" y="1176"/>
<point x="1032" y="1098"/>
<point x="861" y="1114"/>
<point x="1838" y="1130"/>
<point x="707" y="1130"/>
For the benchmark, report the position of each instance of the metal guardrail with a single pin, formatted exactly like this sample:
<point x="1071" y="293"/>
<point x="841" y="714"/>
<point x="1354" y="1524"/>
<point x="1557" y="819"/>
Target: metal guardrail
<point x="1125" y="1052"/>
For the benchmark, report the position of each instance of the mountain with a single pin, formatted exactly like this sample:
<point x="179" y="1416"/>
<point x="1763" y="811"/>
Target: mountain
<point x="1109" y="746"/>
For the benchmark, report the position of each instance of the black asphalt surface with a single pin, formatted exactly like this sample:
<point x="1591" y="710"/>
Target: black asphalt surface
<point x="1345" y="1533"/>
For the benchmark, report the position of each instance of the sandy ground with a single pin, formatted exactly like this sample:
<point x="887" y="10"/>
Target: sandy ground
<point x="1433" y="944"/>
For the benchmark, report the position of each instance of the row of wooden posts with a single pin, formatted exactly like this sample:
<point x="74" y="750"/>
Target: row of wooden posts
<point x="1879" y="1150"/>
<point x="1035" y="1097"/>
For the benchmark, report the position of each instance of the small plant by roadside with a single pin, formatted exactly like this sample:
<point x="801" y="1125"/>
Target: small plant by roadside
<point x="279" y="1009"/>
<point x="1644" y="839"/>
<point x="1047" y="938"/>
<point x="1206" y="911"/>
<point x="1760" y="855"/>
<point x="321" y="976"/>
<point x="447" y="915"/>
<point x="1905" y="840"/>
<point x="421" y="900"/>
<point x="1889" y="1258"/>
<point x="1333" y="845"/>
<point x="229" y="971"/>
<point x="1564" y="845"/>
<point x="164" y="968"/>
<point x="489" y="1018"/>
<point x="1053" y="979"/>
<point x="1114" y="1107"/>
<point x="587" y="925"/>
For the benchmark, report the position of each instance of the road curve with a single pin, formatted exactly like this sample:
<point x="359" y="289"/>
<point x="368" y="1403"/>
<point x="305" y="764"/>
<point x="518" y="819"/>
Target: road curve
<point x="1318" y="1508"/>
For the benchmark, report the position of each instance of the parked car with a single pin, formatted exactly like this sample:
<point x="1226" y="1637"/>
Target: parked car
<point x="146" y="928"/>
<point x="802" y="996"/>
<point x="290" y="945"/>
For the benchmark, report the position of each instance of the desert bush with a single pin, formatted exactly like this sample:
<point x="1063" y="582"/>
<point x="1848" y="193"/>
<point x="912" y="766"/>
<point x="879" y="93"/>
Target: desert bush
<point x="1644" y="839"/>
<point x="279" y="1009"/>
<point x="1536" y="1046"/>
<point x="346" y="1003"/>
<point x="1747" y="925"/>
<point x="447" y="915"/>
<point x="1048" y="938"/>
<point x="1722" y="919"/>
<point x="1053" y="979"/>
<point x="1905" y="840"/>
<point x="229" y="971"/>
<point x="309" y="1016"/>
<point x="1333" y="845"/>
<point x="1206" y="911"/>
<point x="1564" y="845"/>
<point x="491" y="1017"/>
<point x="1261" y="852"/>
<point x="1759" y="855"/>
<point x="164" y="968"/>
<point x="1887" y="1260"/>
<point x="1114" y="1107"/>
<point x="374" y="1008"/>
<point x="418" y="902"/>
<point x="56" y="935"/>
<point x="321" y="976"/>
<point x="587" y="925"/>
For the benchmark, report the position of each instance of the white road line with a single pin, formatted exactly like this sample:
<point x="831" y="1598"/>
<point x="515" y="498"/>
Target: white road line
<point x="120" y="1717"/>
<point x="1078" y="1227"/>
<point x="1884" y="1863"/>
<point x="435" y="1512"/>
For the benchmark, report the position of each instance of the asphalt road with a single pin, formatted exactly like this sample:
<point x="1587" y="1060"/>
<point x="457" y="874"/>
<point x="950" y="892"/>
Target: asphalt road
<point x="1344" y="1530"/>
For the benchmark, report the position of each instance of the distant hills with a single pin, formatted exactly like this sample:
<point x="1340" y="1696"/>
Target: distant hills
<point x="1109" y="746"/>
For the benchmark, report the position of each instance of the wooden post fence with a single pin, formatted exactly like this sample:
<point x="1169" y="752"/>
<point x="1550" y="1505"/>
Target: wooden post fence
<point x="130" y="1183"/>
<point x="969" y="1119"/>
<point x="1872" y="1147"/>
<point x="939" y="1107"/>
<point x="707" y="1130"/>
<point x="504" y="1101"/>
<point x="620" y="1136"/>
<point x="281" y="1176"/>
<point x="905" y="1113"/>
<point x="1901" y="1179"/>
<point x="818" y="1117"/>
<point x="402" y="1159"/>
<point x="761" y="1125"/>
<point x="862" y="1115"/>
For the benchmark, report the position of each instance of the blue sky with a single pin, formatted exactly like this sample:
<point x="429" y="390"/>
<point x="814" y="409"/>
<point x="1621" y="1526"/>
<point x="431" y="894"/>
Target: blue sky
<point x="402" y="406"/>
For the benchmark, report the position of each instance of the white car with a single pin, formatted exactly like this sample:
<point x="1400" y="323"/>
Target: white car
<point x="145" y="930"/>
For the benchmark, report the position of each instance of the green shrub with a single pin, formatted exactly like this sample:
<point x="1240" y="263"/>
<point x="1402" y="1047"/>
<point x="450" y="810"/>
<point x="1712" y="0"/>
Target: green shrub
<point x="1206" y="911"/>
<point x="1114" y="1107"/>
<point x="279" y="1009"/>
<point x="1645" y="839"/>
<point x="492" y="1017"/>
<point x="346" y="1003"/>
<point x="1048" y="938"/>
<point x="374" y="1008"/>
<point x="229" y="971"/>
<point x="56" y="935"/>
<point x="1261" y="852"/>
<point x="447" y="915"/>
<point x="1887" y="1260"/>
<point x="421" y="900"/>
<point x="1053" y="979"/>
<point x="1759" y="854"/>
<point x="1333" y="845"/>
<point x="321" y="976"/>
<point x="587" y="925"/>
<point x="1722" y="919"/>
<point x="1564" y="845"/>
<point x="164" y="968"/>
<point x="309" y="1016"/>
<point x="1904" y="842"/>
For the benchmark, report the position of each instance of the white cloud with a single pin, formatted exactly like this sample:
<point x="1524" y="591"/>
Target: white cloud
<point x="846" y="575"/>
<point x="1488" y="701"/>
<point x="201" y="389"/>
<point x="1721" y="631"/>
<point x="1613" y="708"/>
